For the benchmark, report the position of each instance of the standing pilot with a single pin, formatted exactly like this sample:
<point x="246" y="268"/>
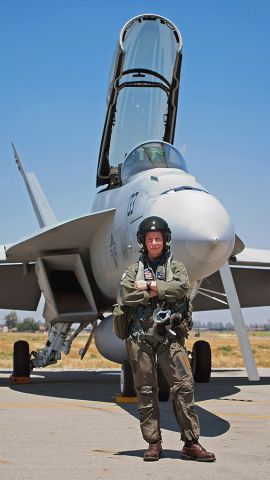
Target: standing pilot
<point x="154" y="292"/>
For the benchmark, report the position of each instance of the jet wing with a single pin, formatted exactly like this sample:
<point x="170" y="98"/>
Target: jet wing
<point x="251" y="274"/>
<point x="72" y="235"/>
<point x="254" y="257"/>
<point x="19" y="287"/>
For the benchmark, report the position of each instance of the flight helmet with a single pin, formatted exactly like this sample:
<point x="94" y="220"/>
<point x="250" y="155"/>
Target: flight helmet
<point x="154" y="224"/>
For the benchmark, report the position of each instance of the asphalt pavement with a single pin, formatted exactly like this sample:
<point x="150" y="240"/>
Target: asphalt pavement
<point x="68" y="424"/>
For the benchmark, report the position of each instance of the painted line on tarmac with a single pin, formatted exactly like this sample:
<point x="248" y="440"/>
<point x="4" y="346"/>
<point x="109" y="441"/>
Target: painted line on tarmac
<point x="233" y="401"/>
<point x="110" y="408"/>
<point x="4" y="462"/>
<point x="246" y="402"/>
<point x="84" y="406"/>
<point x="244" y="415"/>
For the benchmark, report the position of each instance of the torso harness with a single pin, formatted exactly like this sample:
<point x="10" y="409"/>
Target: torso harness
<point x="159" y="322"/>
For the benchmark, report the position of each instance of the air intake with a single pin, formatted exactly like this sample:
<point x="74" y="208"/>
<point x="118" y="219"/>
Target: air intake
<point x="66" y="288"/>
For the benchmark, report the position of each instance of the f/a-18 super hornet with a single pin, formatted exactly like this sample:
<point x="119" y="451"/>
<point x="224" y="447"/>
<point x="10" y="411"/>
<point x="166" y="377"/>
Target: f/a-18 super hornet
<point x="77" y="265"/>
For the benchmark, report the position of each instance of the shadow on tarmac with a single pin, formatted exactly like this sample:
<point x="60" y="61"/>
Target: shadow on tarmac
<point x="167" y="453"/>
<point x="103" y="386"/>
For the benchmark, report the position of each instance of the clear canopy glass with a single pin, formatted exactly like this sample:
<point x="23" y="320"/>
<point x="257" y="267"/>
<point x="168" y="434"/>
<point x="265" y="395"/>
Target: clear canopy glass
<point x="142" y="106"/>
<point x="143" y="90"/>
<point x="151" y="155"/>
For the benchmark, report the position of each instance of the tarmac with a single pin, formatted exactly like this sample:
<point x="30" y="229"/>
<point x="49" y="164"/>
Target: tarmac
<point x="68" y="424"/>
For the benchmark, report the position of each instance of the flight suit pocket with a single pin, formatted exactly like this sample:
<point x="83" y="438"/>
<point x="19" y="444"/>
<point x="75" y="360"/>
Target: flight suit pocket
<point x="180" y="360"/>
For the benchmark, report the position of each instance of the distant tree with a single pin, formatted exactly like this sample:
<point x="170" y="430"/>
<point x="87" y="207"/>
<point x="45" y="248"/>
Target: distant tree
<point x="28" y="325"/>
<point x="196" y="324"/>
<point x="220" y="326"/>
<point x="47" y="325"/>
<point x="11" y="319"/>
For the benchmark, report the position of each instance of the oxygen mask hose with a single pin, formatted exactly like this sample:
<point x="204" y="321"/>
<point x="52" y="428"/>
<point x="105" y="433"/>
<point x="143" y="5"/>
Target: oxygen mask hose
<point x="161" y="316"/>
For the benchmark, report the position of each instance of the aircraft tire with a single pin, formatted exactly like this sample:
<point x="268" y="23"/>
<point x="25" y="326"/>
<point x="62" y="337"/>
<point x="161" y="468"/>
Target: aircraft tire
<point x="21" y="359"/>
<point x="126" y="380"/>
<point x="163" y="386"/>
<point x="201" y="362"/>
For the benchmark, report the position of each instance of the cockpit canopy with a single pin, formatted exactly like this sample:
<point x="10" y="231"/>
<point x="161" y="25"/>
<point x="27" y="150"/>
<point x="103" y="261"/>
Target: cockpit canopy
<point x="143" y="90"/>
<point x="150" y="155"/>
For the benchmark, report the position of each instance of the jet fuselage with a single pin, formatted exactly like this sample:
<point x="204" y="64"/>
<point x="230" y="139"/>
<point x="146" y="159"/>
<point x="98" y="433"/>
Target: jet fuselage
<point x="202" y="231"/>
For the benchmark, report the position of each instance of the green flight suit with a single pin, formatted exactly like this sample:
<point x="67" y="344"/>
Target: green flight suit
<point x="145" y="350"/>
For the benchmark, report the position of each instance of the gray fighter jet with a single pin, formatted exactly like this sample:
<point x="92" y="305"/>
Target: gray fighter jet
<point x="77" y="264"/>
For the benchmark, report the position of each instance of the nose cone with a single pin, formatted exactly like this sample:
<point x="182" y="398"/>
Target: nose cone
<point x="202" y="231"/>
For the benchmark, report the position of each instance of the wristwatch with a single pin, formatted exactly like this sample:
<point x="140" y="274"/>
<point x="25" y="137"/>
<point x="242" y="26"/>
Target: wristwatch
<point x="148" y="285"/>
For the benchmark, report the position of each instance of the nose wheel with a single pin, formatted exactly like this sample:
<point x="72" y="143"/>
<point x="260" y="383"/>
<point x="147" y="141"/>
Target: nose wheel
<point x="201" y="361"/>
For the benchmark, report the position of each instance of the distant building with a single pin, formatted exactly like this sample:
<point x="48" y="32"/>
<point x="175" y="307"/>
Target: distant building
<point x="3" y="329"/>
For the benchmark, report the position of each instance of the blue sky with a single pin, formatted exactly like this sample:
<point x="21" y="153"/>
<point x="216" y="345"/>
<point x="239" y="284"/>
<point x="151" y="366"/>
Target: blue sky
<point x="55" y="59"/>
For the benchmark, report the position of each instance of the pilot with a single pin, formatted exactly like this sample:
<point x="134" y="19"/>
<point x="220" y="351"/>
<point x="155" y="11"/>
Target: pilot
<point x="154" y="291"/>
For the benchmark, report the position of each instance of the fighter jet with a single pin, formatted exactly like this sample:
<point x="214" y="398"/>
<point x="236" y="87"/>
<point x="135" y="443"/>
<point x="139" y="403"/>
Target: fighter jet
<point x="77" y="265"/>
